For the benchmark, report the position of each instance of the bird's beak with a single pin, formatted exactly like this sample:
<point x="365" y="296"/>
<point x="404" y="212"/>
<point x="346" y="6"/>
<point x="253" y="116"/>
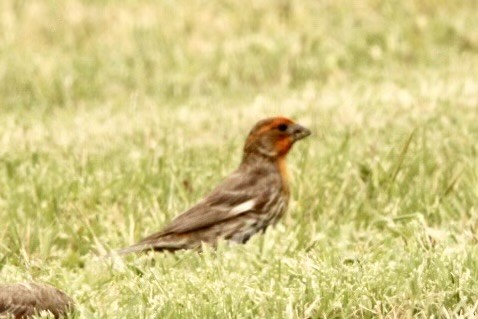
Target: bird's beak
<point x="299" y="132"/>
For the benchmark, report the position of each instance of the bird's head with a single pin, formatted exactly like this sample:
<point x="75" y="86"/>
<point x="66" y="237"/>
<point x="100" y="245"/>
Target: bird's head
<point x="273" y="137"/>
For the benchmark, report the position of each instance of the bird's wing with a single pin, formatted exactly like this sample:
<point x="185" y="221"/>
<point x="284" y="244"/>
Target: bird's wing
<point x="240" y="193"/>
<point x="237" y="195"/>
<point x="212" y="210"/>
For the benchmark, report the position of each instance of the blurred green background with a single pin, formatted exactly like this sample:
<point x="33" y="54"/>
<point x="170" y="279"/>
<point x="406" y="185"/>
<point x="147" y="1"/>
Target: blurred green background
<point x="70" y="54"/>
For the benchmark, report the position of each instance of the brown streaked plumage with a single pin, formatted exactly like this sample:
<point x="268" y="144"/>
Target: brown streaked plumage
<point x="23" y="300"/>
<point x="252" y="198"/>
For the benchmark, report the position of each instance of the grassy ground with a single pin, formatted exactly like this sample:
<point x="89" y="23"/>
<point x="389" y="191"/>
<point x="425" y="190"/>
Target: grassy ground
<point x="117" y="115"/>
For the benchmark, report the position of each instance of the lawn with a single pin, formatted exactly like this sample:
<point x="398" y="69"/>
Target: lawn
<point x="118" y="115"/>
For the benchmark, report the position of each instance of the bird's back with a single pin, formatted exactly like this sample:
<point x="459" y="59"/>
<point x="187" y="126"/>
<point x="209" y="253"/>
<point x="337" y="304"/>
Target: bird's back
<point x="22" y="300"/>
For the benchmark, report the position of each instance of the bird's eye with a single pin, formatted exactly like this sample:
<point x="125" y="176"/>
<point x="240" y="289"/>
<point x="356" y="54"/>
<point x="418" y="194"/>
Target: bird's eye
<point x="282" y="127"/>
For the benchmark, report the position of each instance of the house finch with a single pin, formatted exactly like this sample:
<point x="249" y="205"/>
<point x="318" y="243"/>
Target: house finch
<point x="27" y="299"/>
<point x="253" y="197"/>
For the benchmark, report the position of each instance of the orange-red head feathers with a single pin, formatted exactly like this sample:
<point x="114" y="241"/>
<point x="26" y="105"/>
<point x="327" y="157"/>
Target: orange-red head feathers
<point x="273" y="137"/>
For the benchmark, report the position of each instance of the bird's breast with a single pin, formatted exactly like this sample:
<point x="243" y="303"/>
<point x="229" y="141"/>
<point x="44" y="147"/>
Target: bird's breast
<point x="284" y="174"/>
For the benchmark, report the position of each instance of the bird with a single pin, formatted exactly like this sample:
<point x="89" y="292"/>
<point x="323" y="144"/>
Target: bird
<point x="23" y="300"/>
<point x="254" y="197"/>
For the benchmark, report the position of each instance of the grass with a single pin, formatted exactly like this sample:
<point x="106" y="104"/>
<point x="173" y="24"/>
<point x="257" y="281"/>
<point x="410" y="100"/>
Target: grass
<point x="116" y="116"/>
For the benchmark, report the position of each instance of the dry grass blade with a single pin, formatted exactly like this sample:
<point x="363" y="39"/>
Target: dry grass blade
<point x="401" y="157"/>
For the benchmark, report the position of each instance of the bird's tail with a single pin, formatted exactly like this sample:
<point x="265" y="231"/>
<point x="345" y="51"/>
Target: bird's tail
<point x="137" y="248"/>
<point x="156" y="245"/>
